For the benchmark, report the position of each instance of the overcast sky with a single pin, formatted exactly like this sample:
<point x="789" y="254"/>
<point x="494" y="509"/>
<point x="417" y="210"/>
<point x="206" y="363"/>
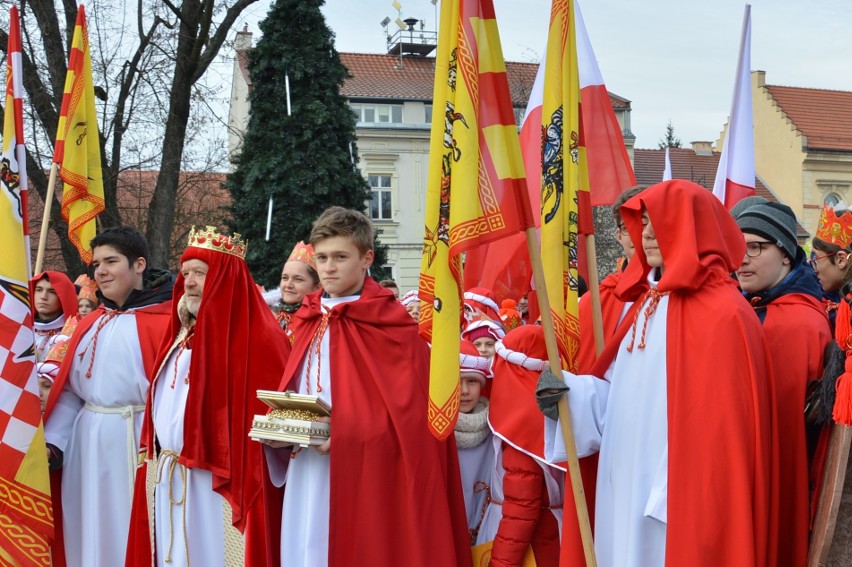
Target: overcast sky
<point x="674" y="59"/>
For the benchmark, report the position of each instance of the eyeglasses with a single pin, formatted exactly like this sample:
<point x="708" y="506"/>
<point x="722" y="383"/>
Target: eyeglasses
<point x="813" y="261"/>
<point x="753" y="249"/>
<point x="623" y="228"/>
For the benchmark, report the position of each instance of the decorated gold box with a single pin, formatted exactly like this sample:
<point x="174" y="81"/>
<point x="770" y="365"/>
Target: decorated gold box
<point x="293" y="419"/>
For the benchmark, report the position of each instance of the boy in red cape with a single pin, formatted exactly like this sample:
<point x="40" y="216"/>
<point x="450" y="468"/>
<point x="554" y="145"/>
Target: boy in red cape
<point x="382" y="491"/>
<point x="223" y="345"/>
<point x="93" y="416"/>
<point x="54" y="303"/>
<point x="688" y="463"/>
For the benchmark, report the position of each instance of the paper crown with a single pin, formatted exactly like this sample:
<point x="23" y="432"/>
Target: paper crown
<point x="835" y="229"/>
<point x="303" y="253"/>
<point x="210" y="238"/>
<point x="88" y="288"/>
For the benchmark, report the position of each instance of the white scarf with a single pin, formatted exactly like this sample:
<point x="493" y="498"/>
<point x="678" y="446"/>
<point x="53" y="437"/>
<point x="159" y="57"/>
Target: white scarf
<point x="472" y="428"/>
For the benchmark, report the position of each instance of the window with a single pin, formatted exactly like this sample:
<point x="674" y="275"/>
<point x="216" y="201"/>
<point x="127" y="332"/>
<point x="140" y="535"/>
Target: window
<point x="832" y="199"/>
<point x="378" y="113"/>
<point x="428" y="109"/>
<point x="380" y="200"/>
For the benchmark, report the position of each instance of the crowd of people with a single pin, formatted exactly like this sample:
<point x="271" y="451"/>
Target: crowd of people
<point x="691" y="426"/>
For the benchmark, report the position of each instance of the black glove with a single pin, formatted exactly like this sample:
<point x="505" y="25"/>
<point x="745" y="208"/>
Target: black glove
<point x="55" y="457"/>
<point x="547" y="393"/>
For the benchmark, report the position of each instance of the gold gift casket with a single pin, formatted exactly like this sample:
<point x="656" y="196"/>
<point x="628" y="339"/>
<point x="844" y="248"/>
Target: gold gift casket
<point x="293" y="419"/>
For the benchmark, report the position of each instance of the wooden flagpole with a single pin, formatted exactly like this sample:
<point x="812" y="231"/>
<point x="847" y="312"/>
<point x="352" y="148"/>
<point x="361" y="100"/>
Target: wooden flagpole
<point x="828" y="506"/>
<point x="564" y="411"/>
<point x="45" y="219"/>
<point x="595" y="291"/>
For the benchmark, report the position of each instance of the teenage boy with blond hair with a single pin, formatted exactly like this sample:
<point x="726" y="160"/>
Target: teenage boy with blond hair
<point x="382" y="490"/>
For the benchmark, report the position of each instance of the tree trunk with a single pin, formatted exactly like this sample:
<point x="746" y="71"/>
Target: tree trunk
<point x="162" y="208"/>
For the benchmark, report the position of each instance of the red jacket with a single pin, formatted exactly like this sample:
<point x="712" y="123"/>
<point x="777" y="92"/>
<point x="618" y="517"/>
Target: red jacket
<point x="527" y="519"/>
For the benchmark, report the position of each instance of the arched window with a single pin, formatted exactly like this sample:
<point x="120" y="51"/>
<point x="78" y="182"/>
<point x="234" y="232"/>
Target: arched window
<point x="832" y="199"/>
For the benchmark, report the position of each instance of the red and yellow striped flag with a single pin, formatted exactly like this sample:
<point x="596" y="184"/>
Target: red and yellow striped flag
<point x="78" y="149"/>
<point x="476" y="191"/>
<point x="565" y="207"/>
<point x="26" y="516"/>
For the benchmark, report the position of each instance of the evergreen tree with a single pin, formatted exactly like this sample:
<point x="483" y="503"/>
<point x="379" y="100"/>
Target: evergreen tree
<point x="305" y="161"/>
<point x="670" y="140"/>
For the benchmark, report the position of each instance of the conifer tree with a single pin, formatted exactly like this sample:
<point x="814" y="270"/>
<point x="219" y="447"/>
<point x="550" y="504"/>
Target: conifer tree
<point x="670" y="140"/>
<point x="306" y="161"/>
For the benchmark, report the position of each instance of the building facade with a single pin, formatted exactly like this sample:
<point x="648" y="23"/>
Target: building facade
<point x="391" y="95"/>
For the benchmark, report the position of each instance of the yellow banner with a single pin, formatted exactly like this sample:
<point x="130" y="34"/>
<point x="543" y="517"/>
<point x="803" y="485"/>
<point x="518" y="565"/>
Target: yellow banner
<point x="78" y="148"/>
<point x="564" y="177"/>
<point x="476" y="181"/>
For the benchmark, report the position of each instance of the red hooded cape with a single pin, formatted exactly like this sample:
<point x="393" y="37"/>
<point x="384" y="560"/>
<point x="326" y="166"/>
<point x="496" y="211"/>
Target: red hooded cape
<point x="722" y="487"/>
<point x="797" y="333"/>
<point x="396" y="495"/>
<point x="514" y="416"/>
<point x="64" y="290"/>
<point x="237" y="349"/>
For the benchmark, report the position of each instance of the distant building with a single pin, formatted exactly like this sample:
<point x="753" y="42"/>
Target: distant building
<point x="803" y="145"/>
<point x="697" y="164"/>
<point x="392" y="97"/>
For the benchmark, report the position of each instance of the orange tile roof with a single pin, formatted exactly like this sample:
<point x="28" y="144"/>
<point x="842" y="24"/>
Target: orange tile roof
<point x="380" y="76"/>
<point x="823" y="116"/>
<point x="648" y="167"/>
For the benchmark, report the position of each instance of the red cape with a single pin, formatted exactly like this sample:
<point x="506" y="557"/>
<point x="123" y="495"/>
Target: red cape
<point x="722" y="481"/>
<point x="395" y="490"/>
<point x="797" y="333"/>
<point x="238" y="348"/>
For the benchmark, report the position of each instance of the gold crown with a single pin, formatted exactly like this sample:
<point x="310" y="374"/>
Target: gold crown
<point x="835" y="229"/>
<point x="210" y="238"/>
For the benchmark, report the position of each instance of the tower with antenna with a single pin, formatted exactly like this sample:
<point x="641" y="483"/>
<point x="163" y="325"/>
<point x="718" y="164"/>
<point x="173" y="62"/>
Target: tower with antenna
<point x="411" y="38"/>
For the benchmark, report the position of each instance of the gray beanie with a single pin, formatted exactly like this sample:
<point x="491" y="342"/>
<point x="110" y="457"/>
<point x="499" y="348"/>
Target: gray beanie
<point x="743" y="204"/>
<point x="773" y="221"/>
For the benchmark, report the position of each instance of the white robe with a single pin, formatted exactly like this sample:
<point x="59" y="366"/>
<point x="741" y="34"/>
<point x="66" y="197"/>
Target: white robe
<point x="97" y="422"/>
<point x="204" y="515"/>
<point x="305" y="519"/>
<point x="46" y="335"/>
<point x="626" y="418"/>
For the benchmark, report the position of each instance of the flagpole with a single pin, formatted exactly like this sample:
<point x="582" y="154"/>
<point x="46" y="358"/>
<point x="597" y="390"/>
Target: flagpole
<point x="45" y="219"/>
<point x="564" y="411"/>
<point x="595" y="292"/>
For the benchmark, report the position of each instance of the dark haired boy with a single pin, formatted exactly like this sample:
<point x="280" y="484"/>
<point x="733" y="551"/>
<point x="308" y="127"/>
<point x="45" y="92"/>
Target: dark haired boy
<point x="94" y="413"/>
<point x="382" y="490"/>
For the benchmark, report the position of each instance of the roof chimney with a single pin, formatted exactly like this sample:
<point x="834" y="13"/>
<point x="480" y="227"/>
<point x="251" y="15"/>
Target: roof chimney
<point x="243" y="40"/>
<point x="702" y="148"/>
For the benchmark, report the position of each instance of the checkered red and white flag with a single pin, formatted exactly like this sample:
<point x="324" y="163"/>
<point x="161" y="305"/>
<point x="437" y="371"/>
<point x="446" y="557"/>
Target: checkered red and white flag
<point x="26" y="516"/>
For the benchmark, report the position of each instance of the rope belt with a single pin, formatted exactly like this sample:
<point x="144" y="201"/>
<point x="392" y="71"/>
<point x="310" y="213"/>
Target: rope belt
<point x="128" y="413"/>
<point x="168" y="460"/>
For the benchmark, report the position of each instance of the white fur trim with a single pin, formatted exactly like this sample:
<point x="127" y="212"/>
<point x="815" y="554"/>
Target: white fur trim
<point x="488" y="302"/>
<point x="519" y="358"/>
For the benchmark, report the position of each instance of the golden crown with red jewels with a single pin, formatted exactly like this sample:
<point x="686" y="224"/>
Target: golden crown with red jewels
<point x="835" y="229"/>
<point x="210" y="238"/>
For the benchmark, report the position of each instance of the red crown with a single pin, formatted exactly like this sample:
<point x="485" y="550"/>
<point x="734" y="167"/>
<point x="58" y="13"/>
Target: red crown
<point x="303" y="253"/>
<point x="835" y="229"/>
